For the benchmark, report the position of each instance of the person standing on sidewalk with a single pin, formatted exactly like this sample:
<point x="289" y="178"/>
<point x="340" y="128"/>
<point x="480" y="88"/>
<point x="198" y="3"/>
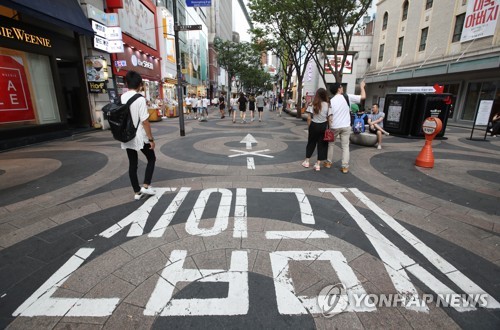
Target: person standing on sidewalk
<point x="341" y="121"/>
<point x="143" y="139"/>
<point x="319" y="114"/>
<point x="242" y="105"/>
<point x="260" y="103"/>
<point x="251" y="106"/>
<point x="222" y="106"/>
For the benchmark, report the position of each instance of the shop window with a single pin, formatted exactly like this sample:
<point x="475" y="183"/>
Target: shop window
<point x="476" y="92"/>
<point x="384" y="21"/>
<point x="457" y="30"/>
<point x="423" y="39"/>
<point x="400" y="46"/>
<point x="405" y="11"/>
<point x="381" y="53"/>
<point x="28" y="95"/>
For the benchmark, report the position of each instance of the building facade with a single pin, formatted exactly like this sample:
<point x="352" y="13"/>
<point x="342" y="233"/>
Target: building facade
<point x="43" y="86"/>
<point x="452" y="43"/>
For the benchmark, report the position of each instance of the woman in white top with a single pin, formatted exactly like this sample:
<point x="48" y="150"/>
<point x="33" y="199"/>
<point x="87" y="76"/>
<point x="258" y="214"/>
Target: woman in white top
<point x="317" y="121"/>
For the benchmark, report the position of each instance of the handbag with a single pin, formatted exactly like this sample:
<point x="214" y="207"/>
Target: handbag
<point x="329" y="135"/>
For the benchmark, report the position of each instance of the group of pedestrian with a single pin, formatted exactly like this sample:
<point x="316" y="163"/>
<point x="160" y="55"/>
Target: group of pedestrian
<point x="335" y="113"/>
<point x="198" y="106"/>
<point x="242" y="103"/>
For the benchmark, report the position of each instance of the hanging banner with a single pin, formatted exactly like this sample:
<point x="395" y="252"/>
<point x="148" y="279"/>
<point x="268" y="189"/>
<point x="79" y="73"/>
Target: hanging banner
<point x="480" y="19"/>
<point x="15" y="98"/>
<point x="336" y="63"/>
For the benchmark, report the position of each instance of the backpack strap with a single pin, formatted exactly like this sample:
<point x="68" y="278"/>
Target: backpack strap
<point x="129" y="103"/>
<point x="346" y="97"/>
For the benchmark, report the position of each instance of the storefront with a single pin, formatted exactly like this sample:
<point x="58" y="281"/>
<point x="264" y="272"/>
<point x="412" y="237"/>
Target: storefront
<point x="137" y="21"/>
<point x="42" y="81"/>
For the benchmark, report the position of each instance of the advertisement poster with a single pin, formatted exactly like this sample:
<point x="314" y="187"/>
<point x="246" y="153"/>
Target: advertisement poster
<point x="15" y="98"/>
<point x="480" y="19"/>
<point x="138" y="21"/>
<point x="96" y="68"/>
<point x="333" y="63"/>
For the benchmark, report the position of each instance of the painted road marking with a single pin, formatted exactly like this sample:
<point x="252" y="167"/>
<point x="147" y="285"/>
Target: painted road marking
<point x="290" y="303"/>
<point x="396" y="262"/>
<point x="306" y="212"/>
<point x="253" y="153"/>
<point x="41" y="302"/>
<point x="250" y="163"/>
<point x="462" y="281"/>
<point x="136" y="219"/>
<point x="248" y="140"/>
<point x="236" y="303"/>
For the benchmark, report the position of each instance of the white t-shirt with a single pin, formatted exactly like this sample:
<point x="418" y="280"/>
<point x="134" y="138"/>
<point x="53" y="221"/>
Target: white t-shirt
<point x="341" y="114"/>
<point x="205" y="102"/>
<point x="139" y="113"/>
<point x="188" y="101"/>
<point x="321" y="117"/>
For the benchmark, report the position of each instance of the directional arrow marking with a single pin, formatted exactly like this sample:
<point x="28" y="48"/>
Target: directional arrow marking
<point x="253" y="153"/>
<point x="248" y="140"/>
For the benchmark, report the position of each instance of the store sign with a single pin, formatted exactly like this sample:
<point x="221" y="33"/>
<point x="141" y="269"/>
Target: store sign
<point x="21" y="35"/>
<point x="97" y="87"/>
<point x="120" y="64"/>
<point x="337" y="63"/>
<point x="115" y="46"/>
<point x="480" y="19"/>
<point x="198" y="3"/>
<point x="99" y="29"/>
<point x="113" y="33"/>
<point x="145" y="64"/>
<point x="15" y="98"/>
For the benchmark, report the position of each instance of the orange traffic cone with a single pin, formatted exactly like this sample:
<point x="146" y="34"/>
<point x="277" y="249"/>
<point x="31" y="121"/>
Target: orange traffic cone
<point x="431" y="127"/>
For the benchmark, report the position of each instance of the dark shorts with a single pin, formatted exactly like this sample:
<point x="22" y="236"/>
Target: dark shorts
<point x="260" y="109"/>
<point x="243" y="110"/>
<point x="374" y="131"/>
<point x="221" y="107"/>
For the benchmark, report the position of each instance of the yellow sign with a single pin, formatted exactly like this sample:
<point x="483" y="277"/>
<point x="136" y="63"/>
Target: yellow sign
<point x="21" y="35"/>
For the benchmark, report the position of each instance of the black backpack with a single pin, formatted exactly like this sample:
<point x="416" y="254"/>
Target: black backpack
<point x="120" y="120"/>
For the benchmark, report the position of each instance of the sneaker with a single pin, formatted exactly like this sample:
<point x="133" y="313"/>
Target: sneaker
<point x="222" y="117"/>
<point x="344" y="170"/>
<point x="386" y="133"/>
<point x="379" y="147"/>
<point x="252" y="120"/>
<point x="148" y="191"/>
<point x="305" y="164"/>
<point x="327" y="164"/>
<point x="138" y="196"/>
<point x="317" y="167"/>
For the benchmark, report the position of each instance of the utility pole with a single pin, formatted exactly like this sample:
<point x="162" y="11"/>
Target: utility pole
<point x="180" y="99"/>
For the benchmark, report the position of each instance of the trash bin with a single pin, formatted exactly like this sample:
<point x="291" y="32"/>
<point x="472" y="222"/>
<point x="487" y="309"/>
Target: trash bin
<point x="405" y="113"/>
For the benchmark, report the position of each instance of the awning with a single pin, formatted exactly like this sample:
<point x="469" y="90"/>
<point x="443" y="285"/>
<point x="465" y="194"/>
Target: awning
<point x="63" y="13"/>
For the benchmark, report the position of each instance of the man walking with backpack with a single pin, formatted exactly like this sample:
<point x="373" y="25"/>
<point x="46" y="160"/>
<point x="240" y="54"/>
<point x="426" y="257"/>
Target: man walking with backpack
<point x="143" y="139"/>
<point x="340" y="121"/>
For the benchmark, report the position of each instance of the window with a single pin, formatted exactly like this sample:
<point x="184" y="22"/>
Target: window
<point x="405" y="11"/>
<point x="423" y="39"/>
<point x="476" y="92"/>
<point x="428" y="4"/>
<point x="384" y="22"/>
<point x="459" y="24"/>
<point x="381" y="53"/>
<point x="400" y="46"/>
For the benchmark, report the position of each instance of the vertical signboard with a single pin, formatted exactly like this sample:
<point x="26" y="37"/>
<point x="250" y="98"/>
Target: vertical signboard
<point x="480" y="19"/>
<point x="15" y="98"/>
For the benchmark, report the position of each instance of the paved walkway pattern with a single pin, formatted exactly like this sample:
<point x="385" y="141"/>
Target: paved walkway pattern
<point x="240" y="235"/>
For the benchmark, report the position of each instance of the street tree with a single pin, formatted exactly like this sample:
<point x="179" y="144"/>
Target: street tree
<point x="280" y="19"/>
<point x="237" y="57"/>
<point x="332" y="24"/>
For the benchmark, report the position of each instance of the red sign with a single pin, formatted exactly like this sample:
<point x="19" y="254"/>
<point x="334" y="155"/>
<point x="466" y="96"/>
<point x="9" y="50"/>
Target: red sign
<point x="15" y="98"/>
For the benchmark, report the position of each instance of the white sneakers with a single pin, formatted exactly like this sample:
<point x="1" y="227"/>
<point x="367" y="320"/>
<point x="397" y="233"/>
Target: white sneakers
<point x="143" y="192"/>
<point x="148" y="191"/>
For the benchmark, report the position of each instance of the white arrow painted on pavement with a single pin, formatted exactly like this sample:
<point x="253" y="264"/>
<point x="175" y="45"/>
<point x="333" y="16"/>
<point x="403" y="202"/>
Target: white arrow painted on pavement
<point x="248" y="140"/>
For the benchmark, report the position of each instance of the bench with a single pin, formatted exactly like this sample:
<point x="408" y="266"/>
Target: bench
<point x="363" y="139"/>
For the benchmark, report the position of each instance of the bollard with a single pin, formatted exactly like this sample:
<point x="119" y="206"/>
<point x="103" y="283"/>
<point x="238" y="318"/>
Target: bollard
<point x="431" y="127"/>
